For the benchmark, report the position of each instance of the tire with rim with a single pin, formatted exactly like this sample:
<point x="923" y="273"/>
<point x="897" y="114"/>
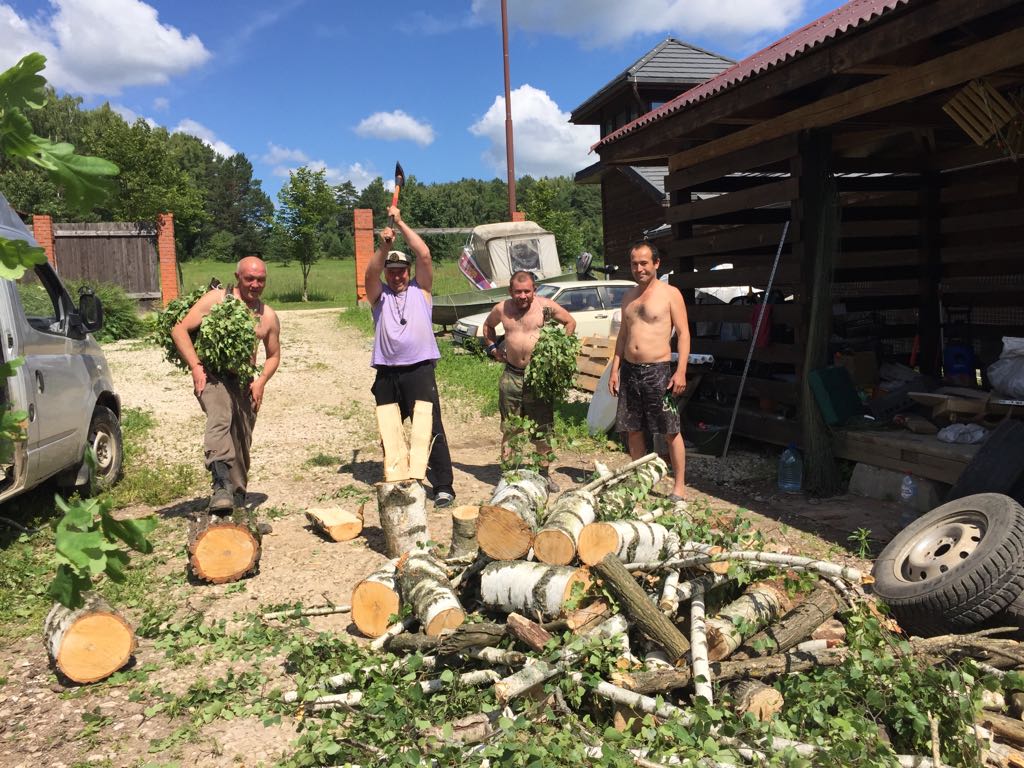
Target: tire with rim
<point x="956" y="566"/>
<point x="107" y="445"/>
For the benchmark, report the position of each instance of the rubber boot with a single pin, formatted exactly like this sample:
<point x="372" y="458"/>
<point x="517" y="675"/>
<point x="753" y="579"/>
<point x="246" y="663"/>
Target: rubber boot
<point x="221" y="501"/>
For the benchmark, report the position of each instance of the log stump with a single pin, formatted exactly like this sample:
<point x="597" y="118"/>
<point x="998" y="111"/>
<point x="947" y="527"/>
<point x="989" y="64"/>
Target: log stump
<point x="374" y="599"/>
<point x="336" y="523"/>
<point x="220" y="551"/>
<point x="90" y="643"/>
<point x="464" y="524"/>
<point x="403" y="516"/>
<point x="506" y="525"/>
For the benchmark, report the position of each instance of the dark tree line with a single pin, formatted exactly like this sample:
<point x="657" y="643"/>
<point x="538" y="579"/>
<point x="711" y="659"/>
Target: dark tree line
<point x="221" y="211"/>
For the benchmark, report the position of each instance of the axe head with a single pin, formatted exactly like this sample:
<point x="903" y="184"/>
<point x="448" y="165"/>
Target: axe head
<point x="399" y="175"/>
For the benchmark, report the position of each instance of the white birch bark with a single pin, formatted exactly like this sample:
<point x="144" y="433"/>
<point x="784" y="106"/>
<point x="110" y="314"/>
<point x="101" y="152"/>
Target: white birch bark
<point x="530" y="588"/>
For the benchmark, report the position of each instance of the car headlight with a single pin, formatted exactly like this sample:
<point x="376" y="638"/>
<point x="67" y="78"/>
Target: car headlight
<point x="461" y="327"/>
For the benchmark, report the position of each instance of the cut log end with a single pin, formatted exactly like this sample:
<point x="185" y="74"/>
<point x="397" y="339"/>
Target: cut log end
<point x="449" y="618"/>
<point x="554" y="547"/>
<point x="336" y="523"/>
<point x="89" y="644"/>
<point x="581" y="578"/>
<point x="372" y="604"/>
<point x="502" y="534"/>
<point x="596" y="541"/>
<point x="223" y="552"/>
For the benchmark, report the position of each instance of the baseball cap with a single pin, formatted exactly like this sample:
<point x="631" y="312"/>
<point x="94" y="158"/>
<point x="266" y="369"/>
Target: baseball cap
<point x="396" y="259"/>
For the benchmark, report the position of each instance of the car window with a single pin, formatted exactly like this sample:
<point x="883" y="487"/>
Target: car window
<point x="41" y="300"/>
<point x="547" y="290"/>
<point x="579" y="299"/>
<point x="612" y="295"/>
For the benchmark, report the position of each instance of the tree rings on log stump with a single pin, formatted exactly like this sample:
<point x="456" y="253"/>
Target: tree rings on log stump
<point x="219" y="552"/>
<point x="374" y="600"/>
<point x="90" y="643"/>
<point x="336" y="523"/>
<point x="502" y="534"/>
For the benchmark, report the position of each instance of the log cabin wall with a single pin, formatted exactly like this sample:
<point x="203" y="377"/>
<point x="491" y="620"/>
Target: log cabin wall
<point x="619" y="194"/>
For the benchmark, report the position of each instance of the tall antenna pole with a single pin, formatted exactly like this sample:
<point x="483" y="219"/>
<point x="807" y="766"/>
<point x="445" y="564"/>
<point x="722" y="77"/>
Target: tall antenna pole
<point x="510" y="157"/>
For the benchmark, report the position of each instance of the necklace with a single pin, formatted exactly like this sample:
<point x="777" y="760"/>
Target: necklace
<point x="400" y="311"/>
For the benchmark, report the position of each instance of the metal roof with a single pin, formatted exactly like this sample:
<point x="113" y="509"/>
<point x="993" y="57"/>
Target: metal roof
<point x="832" y="25"/>
<point x="671" y="62"/>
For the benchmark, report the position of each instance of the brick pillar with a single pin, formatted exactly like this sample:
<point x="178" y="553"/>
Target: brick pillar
<point x="42" y="230"/>
<point x="518" y="216"/>
<point x="168" y="257"/>
<point x="363" y="224"/>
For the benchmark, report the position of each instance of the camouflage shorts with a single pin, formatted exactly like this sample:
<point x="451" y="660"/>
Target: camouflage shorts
<point x="645" y="403"/>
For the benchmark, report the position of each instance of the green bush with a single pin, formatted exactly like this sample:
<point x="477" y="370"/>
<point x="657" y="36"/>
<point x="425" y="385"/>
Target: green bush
<point x="121" y="318"/>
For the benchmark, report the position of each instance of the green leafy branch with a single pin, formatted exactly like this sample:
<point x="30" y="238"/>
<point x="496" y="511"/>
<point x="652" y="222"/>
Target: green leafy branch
<point x="88" y="542"/>
<point x="552" y="366"/>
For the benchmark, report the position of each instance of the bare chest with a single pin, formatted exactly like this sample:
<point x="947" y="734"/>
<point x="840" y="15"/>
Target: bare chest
<point x="647" y="309"/>
<point x="528" y="322"/>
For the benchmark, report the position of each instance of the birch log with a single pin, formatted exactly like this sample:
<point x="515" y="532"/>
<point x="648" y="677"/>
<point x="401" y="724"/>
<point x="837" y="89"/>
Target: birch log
<point x="90" y="643"/>
<point x="760" y="605"/>
<point x="222" y="551"/>
<point x="556" y="542"/>
<point x="336" y="523"/>
<point x="753" y="696"/>
<point x="403" y="516"/>
<point x="639" y="607"/>
<point x="374" y="599"/>
<point x="424" y="585"/>
<point x="531" y="588"/>
<point x="507" y="524"/>
<point x="795" y="626"/>
<point x="618" y="495"/>
<point x="464" y="522"/>
<point x="629" y="540"/>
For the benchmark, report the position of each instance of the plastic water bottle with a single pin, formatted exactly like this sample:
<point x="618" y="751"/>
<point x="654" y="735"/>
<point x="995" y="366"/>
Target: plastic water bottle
<point x="908" y="494"/>
<point x="791" y="470"/>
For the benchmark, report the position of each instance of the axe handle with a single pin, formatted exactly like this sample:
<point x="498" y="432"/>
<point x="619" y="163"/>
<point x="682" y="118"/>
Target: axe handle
<point x="394" y="202"/>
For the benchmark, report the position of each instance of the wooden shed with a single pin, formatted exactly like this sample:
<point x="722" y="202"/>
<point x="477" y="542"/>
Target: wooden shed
<point x="888" y="134"/>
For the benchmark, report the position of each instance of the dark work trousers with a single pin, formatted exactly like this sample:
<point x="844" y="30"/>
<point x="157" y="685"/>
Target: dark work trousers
<point x="405" y="384"/>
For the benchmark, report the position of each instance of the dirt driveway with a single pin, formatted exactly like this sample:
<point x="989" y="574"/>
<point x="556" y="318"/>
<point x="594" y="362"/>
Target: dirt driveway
<point x="319" y="406"/>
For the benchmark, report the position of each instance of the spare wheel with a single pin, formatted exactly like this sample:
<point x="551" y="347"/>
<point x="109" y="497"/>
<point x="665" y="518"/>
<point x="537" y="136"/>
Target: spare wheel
<point x="956" y="566"/>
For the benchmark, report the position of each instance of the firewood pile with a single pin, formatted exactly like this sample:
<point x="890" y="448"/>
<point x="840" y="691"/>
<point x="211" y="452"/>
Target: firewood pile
<point x="531" y="586"/>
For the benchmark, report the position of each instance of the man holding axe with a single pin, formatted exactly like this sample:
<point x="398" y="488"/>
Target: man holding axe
<point x="404" y="348"/>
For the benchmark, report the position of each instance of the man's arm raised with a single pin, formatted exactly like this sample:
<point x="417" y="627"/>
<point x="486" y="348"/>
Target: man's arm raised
<point x="424" y="264"/>
<point x="181" y="335"/>
<point x="371" y="279"/>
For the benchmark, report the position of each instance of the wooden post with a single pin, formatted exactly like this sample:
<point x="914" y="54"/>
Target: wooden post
<point x="817" y="212"/>
<point x="928" y="313"/>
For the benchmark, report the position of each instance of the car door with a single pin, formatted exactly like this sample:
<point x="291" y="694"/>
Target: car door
<point x="584" y="304"/>
<point x="56" y="382"/>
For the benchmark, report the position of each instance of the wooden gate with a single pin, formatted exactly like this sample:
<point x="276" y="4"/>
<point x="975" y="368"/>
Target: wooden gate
<point x="123" y="253"/>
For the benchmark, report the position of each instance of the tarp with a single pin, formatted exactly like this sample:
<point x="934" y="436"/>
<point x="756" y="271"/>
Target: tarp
<point x="504" y="248"/>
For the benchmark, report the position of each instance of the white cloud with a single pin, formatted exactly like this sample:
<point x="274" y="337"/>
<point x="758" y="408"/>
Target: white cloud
<point x="546" y="143"/>
<point x="161" y="103"/>
<point x="204" y="134"/>
<point x="284" y="161"/>
<point x="100" y="46"/>
<point x="396" y="126"/>
<point x="599" y="22"/>
<point x="130" y="115"/>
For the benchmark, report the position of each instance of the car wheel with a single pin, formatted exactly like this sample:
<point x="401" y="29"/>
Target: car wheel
<point x="956" y="566"/>
<point x="107" y="445"/>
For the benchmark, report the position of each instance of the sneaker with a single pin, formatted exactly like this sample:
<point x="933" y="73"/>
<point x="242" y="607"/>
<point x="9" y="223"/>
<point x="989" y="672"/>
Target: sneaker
<point x="221" y="501"/>
<point x="443" y="498"/>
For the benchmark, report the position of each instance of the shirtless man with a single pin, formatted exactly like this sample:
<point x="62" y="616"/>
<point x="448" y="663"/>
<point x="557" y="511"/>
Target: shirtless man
<point x="230" y="404"/>
<point x="523" y="316"/>
<point x="641" y="371"/>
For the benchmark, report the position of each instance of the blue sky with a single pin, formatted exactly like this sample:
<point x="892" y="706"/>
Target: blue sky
<point x="353" y="86"/>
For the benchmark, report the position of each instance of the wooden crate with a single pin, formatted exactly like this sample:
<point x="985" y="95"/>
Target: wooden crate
<point x="594" y="357"/>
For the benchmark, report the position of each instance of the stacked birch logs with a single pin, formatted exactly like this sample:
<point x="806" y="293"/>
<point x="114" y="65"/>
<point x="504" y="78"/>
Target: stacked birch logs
<point x="684" y="629"/>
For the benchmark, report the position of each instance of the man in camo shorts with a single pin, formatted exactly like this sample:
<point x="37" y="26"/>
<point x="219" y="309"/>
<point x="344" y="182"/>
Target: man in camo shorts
<point x="641" y="368"/>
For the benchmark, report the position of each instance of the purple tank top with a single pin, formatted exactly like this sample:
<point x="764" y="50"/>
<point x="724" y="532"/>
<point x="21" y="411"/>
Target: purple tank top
<point x="395" y="343"/>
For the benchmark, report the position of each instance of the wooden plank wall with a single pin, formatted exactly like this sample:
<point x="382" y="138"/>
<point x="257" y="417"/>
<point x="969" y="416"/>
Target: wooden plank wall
<point x="721" y="219"/>
<point x="122" y="253"/>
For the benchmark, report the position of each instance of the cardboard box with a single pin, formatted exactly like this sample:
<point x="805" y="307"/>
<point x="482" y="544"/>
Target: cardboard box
<point x="863" y="367"/>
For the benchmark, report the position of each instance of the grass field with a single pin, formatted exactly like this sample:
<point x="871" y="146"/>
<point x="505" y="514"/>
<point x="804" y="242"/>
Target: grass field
<point x="332" y="282"/>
